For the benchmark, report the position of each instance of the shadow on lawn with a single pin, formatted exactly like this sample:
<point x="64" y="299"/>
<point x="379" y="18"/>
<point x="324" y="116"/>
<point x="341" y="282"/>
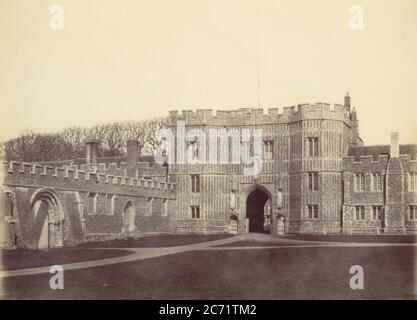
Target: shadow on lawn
<point x="156" y="241"/>
<point x="24" y="258"/>
<point x="361" y="238"/>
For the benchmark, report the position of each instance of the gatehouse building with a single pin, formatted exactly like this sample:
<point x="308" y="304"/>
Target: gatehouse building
<point x="316" y="176"/>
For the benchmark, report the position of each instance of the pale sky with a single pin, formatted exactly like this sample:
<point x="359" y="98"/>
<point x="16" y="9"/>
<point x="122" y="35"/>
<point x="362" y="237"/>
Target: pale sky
<point x="125" y="60"/>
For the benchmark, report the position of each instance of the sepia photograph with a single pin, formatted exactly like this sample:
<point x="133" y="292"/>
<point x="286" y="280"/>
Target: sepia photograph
<point x="208" y="150"/>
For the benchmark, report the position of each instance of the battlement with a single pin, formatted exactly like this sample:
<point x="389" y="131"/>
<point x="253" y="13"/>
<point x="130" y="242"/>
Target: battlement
<point x="261" y="116"/>
<point x="142" y="168"/>
<point x="380" y="158"/>
<point x="85" y="179"/>
<point x="366" y="159"/>
<point x="407" y="158"/>
<point x="350" y="161"/>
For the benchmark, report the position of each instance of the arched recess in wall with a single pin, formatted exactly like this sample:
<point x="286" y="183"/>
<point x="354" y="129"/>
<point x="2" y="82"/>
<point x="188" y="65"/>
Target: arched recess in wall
<point x="80" y="207"/>
<point x="48" y="217"/>
<point x="129" y="215"/>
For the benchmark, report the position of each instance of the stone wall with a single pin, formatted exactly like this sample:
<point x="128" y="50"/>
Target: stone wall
<point x="36" y="197"/>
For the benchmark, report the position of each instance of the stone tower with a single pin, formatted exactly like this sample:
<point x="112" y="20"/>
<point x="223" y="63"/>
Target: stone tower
<point x="302" y="150"/>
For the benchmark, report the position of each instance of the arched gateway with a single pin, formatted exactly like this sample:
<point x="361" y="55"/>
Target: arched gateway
<point x="48" y="219"/>
<point x="258" y="211"/>
<point x="129" y="214"/>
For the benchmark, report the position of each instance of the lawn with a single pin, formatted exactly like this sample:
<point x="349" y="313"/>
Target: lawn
<point x="371" y="238"/>
<point x="21" y="258"/>
<point x="267" y="273"/>
<point x="158" y="241"/>
<point x="249" y="243"/>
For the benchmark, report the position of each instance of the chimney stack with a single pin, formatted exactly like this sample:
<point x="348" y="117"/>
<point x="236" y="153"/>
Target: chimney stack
<point x="394" y="146"/>
<point x="132" y="154"/>
<point x="347" y="101"/>
<point x="91" y="151"/>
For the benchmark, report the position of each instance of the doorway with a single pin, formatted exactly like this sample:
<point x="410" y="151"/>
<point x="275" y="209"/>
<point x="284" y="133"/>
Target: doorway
<point x="256" y="213"/>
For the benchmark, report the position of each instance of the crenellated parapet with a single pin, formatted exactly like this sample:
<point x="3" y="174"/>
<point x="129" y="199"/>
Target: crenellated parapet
<point x="122" y="169"/>
<point x="248" y="116"/>
<point x="370" y="162"/>
<point x="72" y="178"/>
<point x="351" y="163"/>
<point x="408" y="159"/>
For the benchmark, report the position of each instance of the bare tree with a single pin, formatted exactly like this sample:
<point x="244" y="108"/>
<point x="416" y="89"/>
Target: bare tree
<point x="69" y="142"/>
<point x="152" y="126"/>
<point x="111" y="136"/>
<point x="30" y="146"/>
<point x="73" y="141"/>
<point x="20" y="148"/>
<point x="2" y="150"/>
<point x="96" y="132"/>
<point x="136" y="130"/>
<point x="46" y="147"/>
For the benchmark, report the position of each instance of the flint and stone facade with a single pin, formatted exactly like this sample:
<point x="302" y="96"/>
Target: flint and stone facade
<point x="311" y="161"/>
<point x="316" y="176"/>
<point x="304" y="143"/>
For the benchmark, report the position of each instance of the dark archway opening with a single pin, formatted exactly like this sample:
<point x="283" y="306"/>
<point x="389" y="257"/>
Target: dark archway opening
<point x="129" y="217"/>
<point x="48" y="220"/>
<point x="255" y="211"/>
